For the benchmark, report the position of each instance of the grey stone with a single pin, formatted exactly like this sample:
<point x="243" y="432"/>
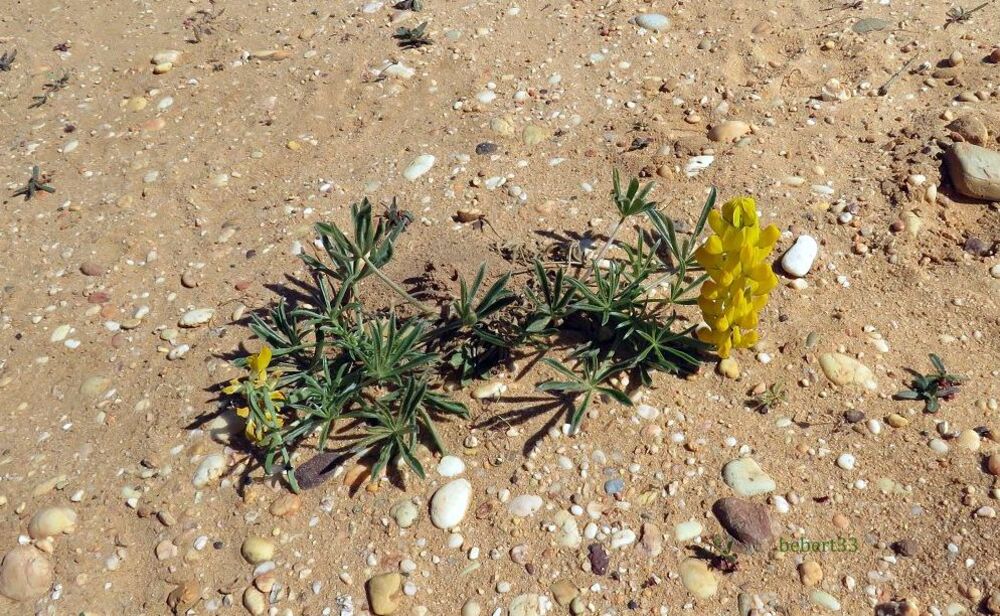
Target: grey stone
<point x="974" y="171"/>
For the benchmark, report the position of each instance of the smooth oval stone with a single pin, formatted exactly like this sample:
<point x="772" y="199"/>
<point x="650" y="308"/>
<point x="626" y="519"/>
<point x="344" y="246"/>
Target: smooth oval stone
<point x="405" y="513"/>
<point x="746" y="477"/>
<point x="745" y="521"/>
<point x="825" y="599"/>
<point x="257" y="550"/>
<point x="974" y="171"/>
<point x="167" y="56"/>
<point x="209" y="470"/>
<point x="318" y="469"/>
<point x="686" y="531"/>
<point x="51" y="522"/>
<point x="870" y="24"/>
<point x="420" y="165"/>
<point x="525" y="505"/>
<point x="526" y="605"/>
<point x="728" y="131"/>
<point x="652" y="21"/>
<point x="25" y="573"/>
<point x="450" y="466"/>
<point x="384" y="593"/>
<point x="450" y="503"/>
<point x="698" y="578"/>
<point x="845" y="370"/>
<point x="798" y="260"/>
<point x="196" y="317"/>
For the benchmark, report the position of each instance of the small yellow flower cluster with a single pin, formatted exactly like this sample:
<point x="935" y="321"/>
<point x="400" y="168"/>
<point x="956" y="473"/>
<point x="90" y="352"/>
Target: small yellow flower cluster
<point x="257" y="364"/>
<point x="740" y="278"/>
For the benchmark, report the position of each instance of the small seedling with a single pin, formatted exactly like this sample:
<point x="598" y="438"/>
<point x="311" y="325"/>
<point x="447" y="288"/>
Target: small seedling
<point x="48" y="89"/>
<point x="720" y="555"/>
<point x="958" y="15"/>
<point x="201" y="23"/>
<point x="772" y="397"/>
<point x="591" y="382"/>
<point x="412" y="38"/>
<point x="932" y="388"/>
<point x="35" y="183"/>
<point x="7" y="60"/>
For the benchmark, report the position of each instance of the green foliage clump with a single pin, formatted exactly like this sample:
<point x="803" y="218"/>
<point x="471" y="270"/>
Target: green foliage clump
<point x="374" y="379"/>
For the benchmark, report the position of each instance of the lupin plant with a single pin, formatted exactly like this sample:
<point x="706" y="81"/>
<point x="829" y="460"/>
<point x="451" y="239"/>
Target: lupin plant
<point x="740" y="276"/>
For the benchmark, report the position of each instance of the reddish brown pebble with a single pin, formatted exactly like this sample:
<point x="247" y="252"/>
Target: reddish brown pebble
<point x="100" y="297"/>
<point x="993" y="464"/>
<point x="89" y="268"/>
<point x="242" y="285"/>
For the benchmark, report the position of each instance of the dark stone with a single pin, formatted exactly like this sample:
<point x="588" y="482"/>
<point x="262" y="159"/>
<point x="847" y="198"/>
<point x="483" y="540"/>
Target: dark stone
<point x="747" y="522"/>
<point x="853" y="416"/>
<point x="906" y="547"/>
<point x="976" y="246"/>
<point x="598" y="559"/>
<point x="486" y="148"/>
<point x="317" y="470"/>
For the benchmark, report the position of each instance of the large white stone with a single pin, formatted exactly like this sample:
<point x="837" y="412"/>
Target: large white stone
<point x="798" y="260"/>
<point x="420" y="165"/>
<point x="524" y="505"/>
<point x="746" y="477"/>
<point x="450" y="503"/>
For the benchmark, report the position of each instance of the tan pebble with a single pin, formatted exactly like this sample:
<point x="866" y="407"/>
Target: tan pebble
<point x="25" y="573"/>
<point x="255" y="601"/>
<point x="955" y="59"/>
<point x="897" y="421"/>
<point x="841" y="521"/>
<point x="285" y="505"/>
<point x="993" y="464"/>
<point x="51" y="522"/>
<point x="729" y="131"/>
<point x="162" y="68"/>
<point x="969" y="439"/>
<point x="257" y="550"/>
<point x="273" y="54"/>
<point x="729" y="368"/>
<point x="810" y="573"/>
<point x="154" y="125"/>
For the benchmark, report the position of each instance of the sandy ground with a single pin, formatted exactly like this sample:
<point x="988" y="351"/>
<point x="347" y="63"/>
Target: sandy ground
<point x="196" y="187"/>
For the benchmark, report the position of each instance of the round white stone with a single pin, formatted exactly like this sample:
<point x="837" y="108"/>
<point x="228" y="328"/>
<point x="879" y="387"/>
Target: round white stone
<point x="798" y="260"/>
<point x="450" y="466"/>
<point x="450" y="503"/>
<point x="420" y="165"/>
<point x="524" y="505"/>
<point x="846" y="461"/>
<point x="652" y="21"/>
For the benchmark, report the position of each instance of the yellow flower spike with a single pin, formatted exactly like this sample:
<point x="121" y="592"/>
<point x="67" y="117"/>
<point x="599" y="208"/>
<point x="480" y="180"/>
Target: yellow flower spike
<point x="740" y="279"/>
<point x="257" y="365"/>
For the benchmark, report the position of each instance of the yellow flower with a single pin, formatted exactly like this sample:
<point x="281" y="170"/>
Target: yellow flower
<point x="257" y="364"/>
<point x="740" y="279"/>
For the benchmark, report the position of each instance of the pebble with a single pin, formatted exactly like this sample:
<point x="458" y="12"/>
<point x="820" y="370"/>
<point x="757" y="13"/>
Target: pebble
<point x="450" y="503"/>
<point x="974" y="171"/>
<point x="729" y="368"/>
<point x="533" y="135"/>
<point x="846" y="461"/>
<point x="25" y="573"/>
<point x="286" y="505"/>
<point x="471" y="608"/>
<point x="528" y="605"/>
<point x="622" y="538"/>
<point x="599" y="559"/>
<point x="897" y="421"/>
<point x="614" y="486"/>
<point x="420" y="165"/>
<point x="746" y="478"/>
<point x="95" y="386"/>
<point x="196" y="317"/>
<point x="89" y="268"/>
<point x="51" y="522"/>
<point x="524" y="505"/>
<point x="384" y="593"/>
<point x="257" y="550"/>
<point x="869" y="24"/>
<point x="810" y="573"/>
<point x="255" y="601"/>
<point x="969" y="439"/>
<point x="165" y="56"/>
<point x="210" y="469"/>
<point x="798" y="259"/>
<point x="405" y="513"/>
<point x="728" y="131"/>
<point x="825" y="599"/>
<point x="450" y="466"/>
<point x="845" y="370"/>
<point x="486" y="148"/>
<point x="651" y="541"/>
<point x="563" y="591"/>
<point x="938" y="446"/>
<point x="697" y="578"/>
<point x="993" y="464"/>
<point x="745" y="521"/>
<point x="652" y="21"/>
<point x="970" y="128"/>
<point x="686" y="531"/>
<point x="163" y="68"/>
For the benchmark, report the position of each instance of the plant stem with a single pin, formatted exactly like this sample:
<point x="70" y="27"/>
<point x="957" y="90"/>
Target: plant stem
<point x="424" y="308"/>
<point x="600" y="253"/>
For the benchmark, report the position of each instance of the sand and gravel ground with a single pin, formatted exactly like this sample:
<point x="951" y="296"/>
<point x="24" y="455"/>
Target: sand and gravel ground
<point x="195" y="185"/>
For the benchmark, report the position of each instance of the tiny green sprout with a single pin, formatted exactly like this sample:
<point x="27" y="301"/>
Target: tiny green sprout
<point x="412" y="38"/>
<point x="770" y="398"/>
<point x="35" y="183"/>
<point x="958" y="14"/>
<point x="7" y="60"/>
<point x="720" y="555"/>
<point x="932" y="388"/>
